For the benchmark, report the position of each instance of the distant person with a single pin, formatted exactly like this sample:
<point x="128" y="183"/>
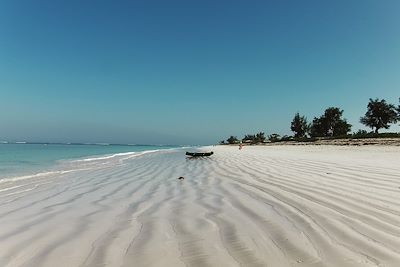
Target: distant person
<point x="240" y="146"/>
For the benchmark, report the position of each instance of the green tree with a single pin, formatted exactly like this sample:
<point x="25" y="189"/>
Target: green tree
<point x="299" y="125"/>
<point x="260" y="137"/>
<point x="232" y="140"/>
<point x="318" y="127"/>
<point x="360" y="134"/>
<point x="330" y="123"/>
<point x="249" y="137"/>
<point x="379" y="114"/>
<point x="398" y="111"/>
<point x="274" y="137"/>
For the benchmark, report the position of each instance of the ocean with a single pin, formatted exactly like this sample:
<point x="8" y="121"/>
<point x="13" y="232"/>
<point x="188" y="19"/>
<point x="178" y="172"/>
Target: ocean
<point x="19" y="159"/>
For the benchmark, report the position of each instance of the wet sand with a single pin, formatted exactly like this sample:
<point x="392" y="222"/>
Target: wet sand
<point x="260" y="206"/>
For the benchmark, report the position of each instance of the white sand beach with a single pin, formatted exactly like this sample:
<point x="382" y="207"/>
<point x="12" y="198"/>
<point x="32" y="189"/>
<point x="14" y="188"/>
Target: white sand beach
<point x="260" y="206"/>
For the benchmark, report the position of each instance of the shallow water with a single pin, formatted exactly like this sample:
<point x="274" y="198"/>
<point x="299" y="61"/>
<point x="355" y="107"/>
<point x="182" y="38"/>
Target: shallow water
<point x="23" y="159"/>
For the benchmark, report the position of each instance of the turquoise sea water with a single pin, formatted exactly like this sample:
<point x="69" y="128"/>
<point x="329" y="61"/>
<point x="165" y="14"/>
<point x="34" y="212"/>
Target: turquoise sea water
<point x="23" y="159"/>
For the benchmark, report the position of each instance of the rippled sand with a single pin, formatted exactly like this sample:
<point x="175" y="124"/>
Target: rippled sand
<point x="261" y="206"/>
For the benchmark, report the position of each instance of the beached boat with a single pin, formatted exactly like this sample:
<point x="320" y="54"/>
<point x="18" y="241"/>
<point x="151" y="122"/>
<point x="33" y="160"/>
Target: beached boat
<point x="199" y="154"/>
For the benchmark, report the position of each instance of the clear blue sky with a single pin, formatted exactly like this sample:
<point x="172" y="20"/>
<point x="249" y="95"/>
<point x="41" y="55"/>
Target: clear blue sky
<point x="189" y="72"/>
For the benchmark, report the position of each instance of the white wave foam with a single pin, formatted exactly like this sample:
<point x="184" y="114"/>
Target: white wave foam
<point x="104" y="157"/>
<point x="21" y="191"/>
<point x="36" y="175"/>
<point x="11" y="188"/>
<point x="128" y="154"/>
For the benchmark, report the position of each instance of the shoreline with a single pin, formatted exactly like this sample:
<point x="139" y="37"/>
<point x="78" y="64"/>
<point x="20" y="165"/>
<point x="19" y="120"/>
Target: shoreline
<point x="63" y="167"/>
<point x="35" y="158"/>
<point x="262" y="205"/>
<point x="333" y="142"/>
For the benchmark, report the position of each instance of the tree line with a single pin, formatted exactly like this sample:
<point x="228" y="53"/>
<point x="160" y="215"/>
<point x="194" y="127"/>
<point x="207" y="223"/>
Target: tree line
<point x="379" y="115"/>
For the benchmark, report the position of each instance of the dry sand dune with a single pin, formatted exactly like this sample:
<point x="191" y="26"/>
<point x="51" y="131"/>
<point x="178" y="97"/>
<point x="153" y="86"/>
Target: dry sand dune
<point x="261" y="206"/>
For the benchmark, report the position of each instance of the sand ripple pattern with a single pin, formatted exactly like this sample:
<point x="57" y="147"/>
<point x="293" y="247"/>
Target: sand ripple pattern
<point x="261" y="206"/>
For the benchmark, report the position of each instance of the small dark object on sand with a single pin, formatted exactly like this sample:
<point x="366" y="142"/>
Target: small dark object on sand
<point x="181" y="178"/>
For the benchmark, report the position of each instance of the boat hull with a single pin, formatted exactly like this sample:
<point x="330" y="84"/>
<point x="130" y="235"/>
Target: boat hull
<point x="199" y="154"/>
